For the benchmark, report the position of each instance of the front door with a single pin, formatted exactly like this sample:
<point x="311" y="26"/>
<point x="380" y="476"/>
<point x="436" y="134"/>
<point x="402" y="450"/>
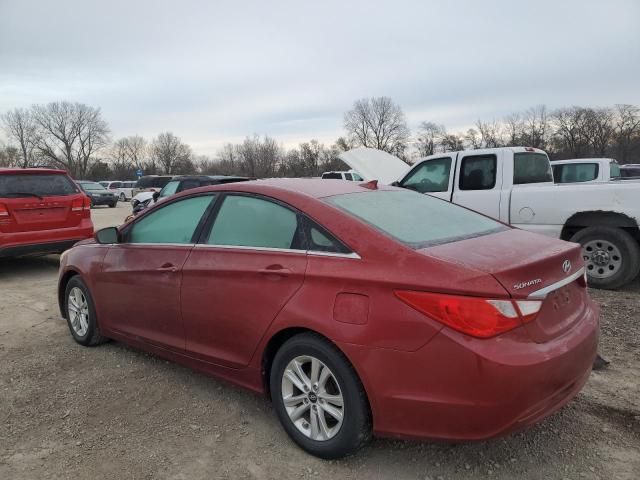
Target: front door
<point x="431" y="176"/>
<point x="138" y="288"/>
<point x="242" y="274"/>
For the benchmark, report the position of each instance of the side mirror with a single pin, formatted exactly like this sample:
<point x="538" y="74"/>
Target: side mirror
<point x="107" y="235"/>
<point x="156" y="196"/>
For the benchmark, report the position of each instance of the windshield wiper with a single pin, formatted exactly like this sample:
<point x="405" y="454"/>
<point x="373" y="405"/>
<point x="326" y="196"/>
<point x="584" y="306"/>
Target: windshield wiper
<point x="21" y="194"/>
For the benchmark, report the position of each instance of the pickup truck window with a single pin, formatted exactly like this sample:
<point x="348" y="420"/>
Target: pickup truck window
<point x="614" y="170"/>
<point x="531" y="168"/>
<point x="416" y="220"/>
<point x="575" y="172"/>
<point x="430" y="176"/>
<point x="478" y="172"/>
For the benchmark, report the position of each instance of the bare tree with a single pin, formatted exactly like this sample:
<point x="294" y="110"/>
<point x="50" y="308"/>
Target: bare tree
<point x="490" y="134"/>
<point x="259" y="158"/>
<point x="69" y="134"/>
<point x="535" y="127"/>
<point x="600" y="129"/>
<point x="127" y="155"/>
<point x="570" y="130"/>
<point x="473" y="139"/>
<point x="427" y="140"/>
<point x="170" y="154"/>
<point x="627" y="129"/>
<point x="513" y="126"/>
<point x="450" y="142"/>
<point x="9" y="156"/>
<point x="377" y="123"/>
<point x="20" y="127"/>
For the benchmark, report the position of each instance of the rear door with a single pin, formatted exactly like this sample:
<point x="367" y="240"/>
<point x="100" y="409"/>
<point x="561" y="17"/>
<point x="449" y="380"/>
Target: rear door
<point x="33" y="201"/>
<point x="478" y="182"/>
<point x="248" y="266"/>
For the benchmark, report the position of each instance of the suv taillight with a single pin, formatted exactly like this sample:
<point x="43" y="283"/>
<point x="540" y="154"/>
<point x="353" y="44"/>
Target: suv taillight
<point x="475" y="316"/>
<point x="80" y="204"/>
<point x="3" y="210"/>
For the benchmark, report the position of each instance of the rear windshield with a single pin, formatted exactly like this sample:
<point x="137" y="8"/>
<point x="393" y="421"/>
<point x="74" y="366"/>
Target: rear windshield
<point x="92" y="186"/>
<point x="531" y="168"/>
<point x="40" y="184"/>
<point x="152" y="182"/>
<point x="414" y="219"/>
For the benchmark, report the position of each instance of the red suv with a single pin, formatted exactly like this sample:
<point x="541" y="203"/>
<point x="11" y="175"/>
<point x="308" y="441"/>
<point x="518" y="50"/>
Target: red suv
<point x="41" y="211"/>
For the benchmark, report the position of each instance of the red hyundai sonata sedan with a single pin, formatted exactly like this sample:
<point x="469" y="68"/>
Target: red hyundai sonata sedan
<point x="358" y="309"/>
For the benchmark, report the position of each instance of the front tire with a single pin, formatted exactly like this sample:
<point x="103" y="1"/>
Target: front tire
<point x="319" y="398"/>
<point x="611" y="255"/>
<point x="81" y="314"/>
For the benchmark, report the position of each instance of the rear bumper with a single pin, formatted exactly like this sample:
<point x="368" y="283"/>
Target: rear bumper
<point x="43" y="241"/>
<point x="459" y="388"/>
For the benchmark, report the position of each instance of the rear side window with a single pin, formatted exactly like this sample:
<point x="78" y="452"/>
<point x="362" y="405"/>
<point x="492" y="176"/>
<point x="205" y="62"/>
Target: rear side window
<point x="41" y="184"/>
<point x="430" y="176"/>
<point x="174" y="223"/>
<point x="332" y="175"/>
<point x="478" y="172"/>
<point x="575" y="172"/>
<point x="531" y="168"/>
<point x="414" y="219"/>
<point x="320" y="240"/>
<point x="115" y="185"/>
<point x="254" y="222"/>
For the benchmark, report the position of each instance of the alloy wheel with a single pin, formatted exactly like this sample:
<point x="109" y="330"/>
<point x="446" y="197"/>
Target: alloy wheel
<point x="312" y="398"/>
<point x="78" y="310"/>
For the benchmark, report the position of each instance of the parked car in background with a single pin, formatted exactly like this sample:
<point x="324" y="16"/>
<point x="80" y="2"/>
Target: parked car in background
<point x="179" y="184"/>
<point x="98" y="195"/>
<point x="332" y="297"/>
<point x="631" y="170"/>
<point x="348" y="175"/>
<point x="124" y="189"/>
<point x="42" y="211"/>
<point x="585" y="170"/>
<point x="515" y="185"/>
<point x="150" y="183"/>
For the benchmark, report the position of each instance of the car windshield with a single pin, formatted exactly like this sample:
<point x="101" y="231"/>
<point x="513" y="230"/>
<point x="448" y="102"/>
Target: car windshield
<point x="414" y="219"/>
<point x="36" y="184"/>
<point x="170" y="188"/>
<point x="92" y="186"/>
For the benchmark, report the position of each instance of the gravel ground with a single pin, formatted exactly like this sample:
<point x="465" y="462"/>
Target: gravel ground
<point x="113" y="412"/>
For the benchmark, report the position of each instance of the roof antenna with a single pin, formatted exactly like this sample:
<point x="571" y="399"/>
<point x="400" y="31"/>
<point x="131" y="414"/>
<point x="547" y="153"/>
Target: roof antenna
<point x="371" y="185"/>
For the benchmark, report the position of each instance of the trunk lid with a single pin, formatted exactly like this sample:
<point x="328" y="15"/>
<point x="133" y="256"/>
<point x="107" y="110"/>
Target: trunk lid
<point x="34" y="201"/>
<point x="374" y="164"/>
<point x="525" y="263"/>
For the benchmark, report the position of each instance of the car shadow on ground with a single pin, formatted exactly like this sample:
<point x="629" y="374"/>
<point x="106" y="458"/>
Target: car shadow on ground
<point x="28" y="267"/>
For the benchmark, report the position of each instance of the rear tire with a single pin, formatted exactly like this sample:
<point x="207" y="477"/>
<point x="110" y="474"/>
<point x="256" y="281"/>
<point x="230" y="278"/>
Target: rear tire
<point x="81" y="313"/>
<point x="123" y="197"/>
<point x="612" y="256"/>
<point x="113" y="205"/>
<point x="345" y="426"/>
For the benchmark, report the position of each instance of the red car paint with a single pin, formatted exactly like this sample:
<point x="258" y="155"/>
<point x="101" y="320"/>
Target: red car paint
<point x="219" y="310"/>
<point x="42" y="224"/>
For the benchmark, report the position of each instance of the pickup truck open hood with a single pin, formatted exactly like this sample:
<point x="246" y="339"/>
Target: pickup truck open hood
<point x="374" y="164"/>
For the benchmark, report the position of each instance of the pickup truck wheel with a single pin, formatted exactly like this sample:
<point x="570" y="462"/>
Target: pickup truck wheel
<point x="611" y="255"/>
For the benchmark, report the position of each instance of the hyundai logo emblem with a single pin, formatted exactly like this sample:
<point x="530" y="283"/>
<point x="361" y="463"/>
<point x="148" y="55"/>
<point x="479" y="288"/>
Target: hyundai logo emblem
<point x="566" y="266"/>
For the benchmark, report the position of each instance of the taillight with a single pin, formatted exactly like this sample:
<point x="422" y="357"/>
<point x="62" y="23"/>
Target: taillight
<point x="3" y="210"/>
<point x="80" y="204"/>
<point x="475" y="316"/>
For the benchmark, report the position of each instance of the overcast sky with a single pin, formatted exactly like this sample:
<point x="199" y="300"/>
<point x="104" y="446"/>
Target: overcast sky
<point x="216" y="71"/>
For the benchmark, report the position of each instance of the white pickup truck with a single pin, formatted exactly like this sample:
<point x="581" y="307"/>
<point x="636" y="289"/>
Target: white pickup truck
<point x="515" y="185"/>
<point x="577" y="170"/>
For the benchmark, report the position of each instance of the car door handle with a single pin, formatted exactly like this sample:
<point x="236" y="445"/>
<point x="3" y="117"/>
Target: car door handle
<point x="167" y="267"/>
<point x="275" y="270"/>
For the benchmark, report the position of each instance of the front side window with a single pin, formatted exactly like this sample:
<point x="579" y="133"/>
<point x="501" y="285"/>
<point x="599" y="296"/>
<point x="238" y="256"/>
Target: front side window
<point x="413" y="219"/>
<point x="255" y="222"/>
<point x="531" y="168"/>
<point x="575" y="172"/>
<point x="173" y="223"/>
<point x="478" y="172"/>
<point x="30" y="184"/>
<point x="430" y="176"/>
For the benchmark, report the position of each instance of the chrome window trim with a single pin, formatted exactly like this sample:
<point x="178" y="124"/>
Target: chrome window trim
<point x="543" y="292"/>
<point x="147" y="244"/>
<point x="281" y="250"/>
<point x="317" y="253"/>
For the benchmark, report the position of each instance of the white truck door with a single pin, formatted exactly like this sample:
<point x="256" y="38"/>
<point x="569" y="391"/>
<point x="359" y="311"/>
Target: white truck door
<point x="478" y="182"/>
<point x="432" y="176"/>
